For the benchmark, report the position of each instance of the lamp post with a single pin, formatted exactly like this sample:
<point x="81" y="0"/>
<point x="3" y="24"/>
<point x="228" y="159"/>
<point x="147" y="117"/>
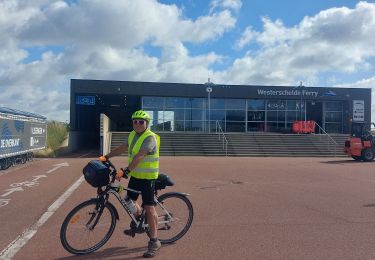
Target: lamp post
<point x="209" y="90"/>
<point x="300" y="101"/>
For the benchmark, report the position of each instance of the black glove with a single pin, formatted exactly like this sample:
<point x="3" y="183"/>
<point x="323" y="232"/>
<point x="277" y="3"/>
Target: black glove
<point x="126" y="172"/>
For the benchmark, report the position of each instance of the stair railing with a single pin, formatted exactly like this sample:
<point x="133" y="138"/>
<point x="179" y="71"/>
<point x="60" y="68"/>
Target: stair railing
<point x="222" y="137"/>
<point x="330" y="139"/>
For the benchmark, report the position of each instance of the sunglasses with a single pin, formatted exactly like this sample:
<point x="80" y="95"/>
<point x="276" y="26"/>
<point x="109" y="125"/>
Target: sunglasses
<point x="139" y="122"/>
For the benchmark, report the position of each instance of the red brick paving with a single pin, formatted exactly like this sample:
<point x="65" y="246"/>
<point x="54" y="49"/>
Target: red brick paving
<point x="245" y="208"/>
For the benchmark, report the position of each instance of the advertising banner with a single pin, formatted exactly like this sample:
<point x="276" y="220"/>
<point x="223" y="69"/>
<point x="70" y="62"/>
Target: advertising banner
<point x="17" y="136"/>
<point x="358" y="110"/>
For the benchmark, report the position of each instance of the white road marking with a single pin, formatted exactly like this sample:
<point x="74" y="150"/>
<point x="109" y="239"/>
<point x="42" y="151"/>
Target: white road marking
<point x="57" y="166"/>
<point x="12" y="249"/>
<point x="10" y="191"/>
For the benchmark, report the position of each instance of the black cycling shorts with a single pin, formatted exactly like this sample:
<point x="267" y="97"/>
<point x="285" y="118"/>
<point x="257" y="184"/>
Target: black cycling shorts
<point x="147" y="187"/>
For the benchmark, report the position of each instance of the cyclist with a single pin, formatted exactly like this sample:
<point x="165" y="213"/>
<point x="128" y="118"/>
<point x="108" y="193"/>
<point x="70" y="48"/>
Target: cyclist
<point x="143" y="168"/>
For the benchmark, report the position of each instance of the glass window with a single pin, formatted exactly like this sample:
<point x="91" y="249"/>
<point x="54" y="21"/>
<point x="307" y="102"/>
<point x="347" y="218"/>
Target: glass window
<point x="217" y="103"/>
<point x="292" y="116"/>
<point x="271" y="116"/>
<point x="255" y="126"/>
<point x="333" y="128"/>
<point x="333" y="116"/>
<point x="235" y="126"/>
<point x="195" y="126"/>
<point x="292" y="105"/>
<point x="235" y="104"/>
<point x="217" y="115"/>
<point x="153" y="102"/>
<point x="174" y="102"/>
<point x="255" y="104"/>
<point x="235" y="115"/>
<point x="179" y="126"/>
<point x="195" y="103"/>
<point x="333" y="106"/>
<point x="195" y="114"/>
<point x="255" y="115"/>
<point x="276" y="105"/>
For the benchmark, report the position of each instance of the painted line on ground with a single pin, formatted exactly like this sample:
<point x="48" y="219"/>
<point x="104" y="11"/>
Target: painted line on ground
<point x="12" y="249"/>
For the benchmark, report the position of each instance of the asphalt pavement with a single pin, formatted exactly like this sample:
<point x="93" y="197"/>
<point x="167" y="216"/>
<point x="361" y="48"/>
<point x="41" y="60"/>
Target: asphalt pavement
<point x="244" y="208"/>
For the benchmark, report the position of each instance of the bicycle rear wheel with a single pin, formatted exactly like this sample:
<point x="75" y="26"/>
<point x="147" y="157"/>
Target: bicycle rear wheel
<point x="176" y="219"/>
<point x="88" y="227"/>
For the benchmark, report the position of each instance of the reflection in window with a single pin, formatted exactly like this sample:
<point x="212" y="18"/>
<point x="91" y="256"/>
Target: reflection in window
<point x="255" y="115"/>
<point x="255" y="127"/>
<point x="217" y="103"/>
<point x="235" y="104"/>
<point x="255" y="104"/>
<point x="333" y="116"/>
<point x="217" y="115"/>
<point x="235" y="115"/>
<point x="195" y="103"/>
<point x="276" y="116"/>
<point x="333" y="106"/>
<point x="174" y="102"/>
<point x="153" y="102"/>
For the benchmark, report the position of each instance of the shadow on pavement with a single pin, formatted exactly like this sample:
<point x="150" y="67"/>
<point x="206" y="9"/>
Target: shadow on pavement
<point x="349" y="161"/>
<point x="112" y="253"/>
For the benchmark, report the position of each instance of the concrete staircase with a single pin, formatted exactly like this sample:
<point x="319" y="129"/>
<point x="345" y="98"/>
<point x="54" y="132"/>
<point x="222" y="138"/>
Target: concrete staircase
<point x="245" y="144"/>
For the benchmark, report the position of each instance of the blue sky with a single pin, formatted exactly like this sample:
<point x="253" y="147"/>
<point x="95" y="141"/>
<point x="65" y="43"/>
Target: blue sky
<point x="46" y="43"/>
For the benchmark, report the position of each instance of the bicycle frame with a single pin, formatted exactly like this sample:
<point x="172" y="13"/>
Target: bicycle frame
<point x="111" y="188"/>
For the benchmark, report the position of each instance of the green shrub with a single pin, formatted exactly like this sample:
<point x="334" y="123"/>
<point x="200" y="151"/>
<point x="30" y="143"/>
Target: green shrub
<point x="56" y="134"/>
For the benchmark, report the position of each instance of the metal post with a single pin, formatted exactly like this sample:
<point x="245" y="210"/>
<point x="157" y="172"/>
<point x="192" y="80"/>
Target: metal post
<point x="209" y="90"/>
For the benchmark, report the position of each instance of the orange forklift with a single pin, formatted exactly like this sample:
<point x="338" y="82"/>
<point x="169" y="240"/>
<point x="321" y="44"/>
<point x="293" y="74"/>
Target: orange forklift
<point x="361" y="144"/>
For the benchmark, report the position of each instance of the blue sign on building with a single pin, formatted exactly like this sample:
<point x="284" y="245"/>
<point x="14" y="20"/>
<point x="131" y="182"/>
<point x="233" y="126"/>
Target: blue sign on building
<point x="85" y="100"/>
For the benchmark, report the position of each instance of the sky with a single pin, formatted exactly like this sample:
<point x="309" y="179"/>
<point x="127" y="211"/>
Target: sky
<point x="46" y="43"/>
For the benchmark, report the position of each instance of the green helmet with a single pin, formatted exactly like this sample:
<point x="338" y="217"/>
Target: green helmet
<point x="140" y="114"/>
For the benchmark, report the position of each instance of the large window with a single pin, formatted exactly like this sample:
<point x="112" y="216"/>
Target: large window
<point x="192" y="114"/>
<point x="333" y="117"/>
<point x="256" y="115"/>
<point x="234" y="115"/>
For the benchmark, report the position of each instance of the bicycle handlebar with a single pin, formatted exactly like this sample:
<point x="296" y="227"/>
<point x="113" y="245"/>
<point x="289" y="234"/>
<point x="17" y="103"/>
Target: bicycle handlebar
<point x="113" y="173"/>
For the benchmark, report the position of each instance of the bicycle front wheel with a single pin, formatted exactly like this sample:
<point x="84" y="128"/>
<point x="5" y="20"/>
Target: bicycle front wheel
<point x="175" y="215"/>
<point x="88" y="227"/>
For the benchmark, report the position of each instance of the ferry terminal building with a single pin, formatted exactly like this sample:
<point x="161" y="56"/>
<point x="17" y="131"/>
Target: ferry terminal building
<point x="198" y="107"/>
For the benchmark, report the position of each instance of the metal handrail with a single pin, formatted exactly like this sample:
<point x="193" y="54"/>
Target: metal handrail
<point x="220" y="131"/>
<point x="330" y="137"/>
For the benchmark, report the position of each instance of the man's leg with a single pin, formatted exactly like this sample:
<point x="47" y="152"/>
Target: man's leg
<point x="152" y="220"/>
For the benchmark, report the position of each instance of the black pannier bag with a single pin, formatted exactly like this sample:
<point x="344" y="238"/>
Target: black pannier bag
<point x="96" y="173"/>
<point x="162" y="181"/>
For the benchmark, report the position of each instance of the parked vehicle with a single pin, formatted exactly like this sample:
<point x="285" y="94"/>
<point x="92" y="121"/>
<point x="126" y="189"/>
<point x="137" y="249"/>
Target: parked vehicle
<point x="361" y="144"/>
<point x="21" y="133"/>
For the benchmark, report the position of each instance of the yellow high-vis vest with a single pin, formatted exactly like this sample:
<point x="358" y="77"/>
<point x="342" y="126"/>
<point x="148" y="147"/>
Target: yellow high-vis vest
<point x="148" y="168"/>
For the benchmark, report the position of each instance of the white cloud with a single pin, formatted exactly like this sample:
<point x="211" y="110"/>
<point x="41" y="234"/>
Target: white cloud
<point x="99" y="40"/>
<point x="337" y="39"/>
<point x="247" y="36"/>
<point x="230" y="4"/>
<point x="109" y="39"/>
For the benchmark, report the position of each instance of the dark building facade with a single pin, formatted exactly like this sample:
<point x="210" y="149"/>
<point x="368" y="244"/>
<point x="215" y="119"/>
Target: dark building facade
<point x="200" y="107"/>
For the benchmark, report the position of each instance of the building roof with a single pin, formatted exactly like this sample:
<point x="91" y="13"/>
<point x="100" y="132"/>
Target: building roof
<point x="11" y="111"/>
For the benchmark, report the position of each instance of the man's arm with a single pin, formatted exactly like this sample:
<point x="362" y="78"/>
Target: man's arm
<point x="118" y="150"/>
<point x="140" y="155"/>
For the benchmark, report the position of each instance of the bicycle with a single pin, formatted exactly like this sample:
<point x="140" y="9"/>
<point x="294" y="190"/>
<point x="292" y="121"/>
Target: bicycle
<point x="98" y="216"/>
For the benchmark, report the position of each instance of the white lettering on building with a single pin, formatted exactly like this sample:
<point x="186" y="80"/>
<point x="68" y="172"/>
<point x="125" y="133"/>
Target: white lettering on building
<point x="294" y="92"/>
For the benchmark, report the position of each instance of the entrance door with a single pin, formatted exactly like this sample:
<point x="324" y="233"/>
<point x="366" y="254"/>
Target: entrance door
<point x="314" y="111"/>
